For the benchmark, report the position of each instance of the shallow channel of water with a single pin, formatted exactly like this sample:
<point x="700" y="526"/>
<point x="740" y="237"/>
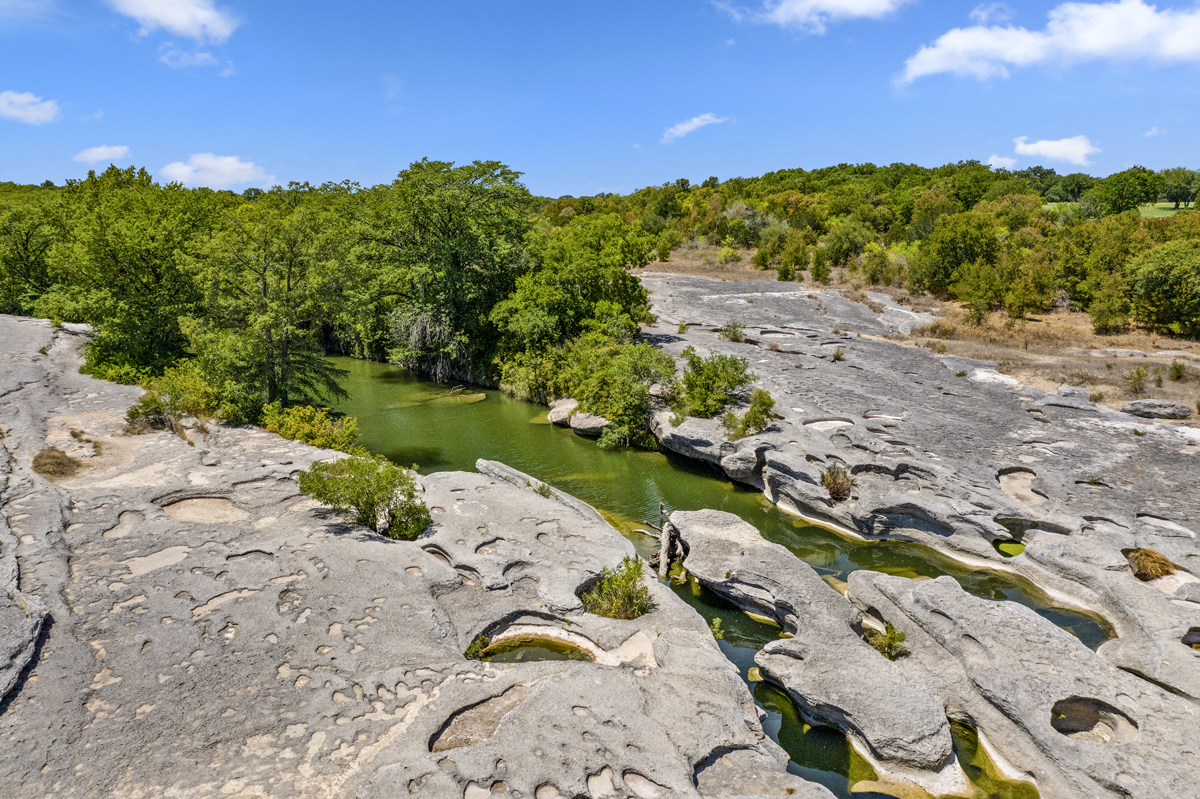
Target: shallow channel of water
<point x="415" y="421"/>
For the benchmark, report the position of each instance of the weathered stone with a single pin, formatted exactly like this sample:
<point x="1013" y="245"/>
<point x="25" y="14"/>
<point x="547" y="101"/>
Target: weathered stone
<point x="834" y="676"/>
<point x="217" y="633"/>
<point x="561" y="410"/>
<point x="1074" y="392"/>
<point x="1156" y="409"/>
<point x="1056" y="711"/>
<point x="588" y="424"/>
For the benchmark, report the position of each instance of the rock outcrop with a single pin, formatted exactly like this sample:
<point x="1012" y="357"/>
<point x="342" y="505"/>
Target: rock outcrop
<point x="1156" y="409"/>
<point x="181" y="622"/>
<point x="949" y="453"/>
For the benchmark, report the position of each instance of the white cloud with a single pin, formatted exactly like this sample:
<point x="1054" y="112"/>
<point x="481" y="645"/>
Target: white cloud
<point x="1155" y="131"/>
<point x="215" y="171"/>
<point x="93" y="155"/>
<point x="196" y="19"/>
<point x="181" y="59"/>
<point x="693" y="124"/>
<point x="1074" y="150"/>
<point x="1001" y="162"/>
<point x="811" y="15"/>
<point x="1124" y="30"/>
<point x="25" y="107"/>
<point x="992" y="12"/>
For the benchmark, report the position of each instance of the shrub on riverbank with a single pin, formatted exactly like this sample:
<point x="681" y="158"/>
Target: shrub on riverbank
<point x="619" y="593"/>
<point x="756" y="418"/>
<point x="889" y="643"/>
<point x="710" y="384"/>
<point x="313" y="426"/>
<point x="378" y="493"/>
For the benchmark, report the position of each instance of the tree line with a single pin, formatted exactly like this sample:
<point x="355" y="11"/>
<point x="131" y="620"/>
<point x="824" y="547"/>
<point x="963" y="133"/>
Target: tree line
<point x="459" y="272"/>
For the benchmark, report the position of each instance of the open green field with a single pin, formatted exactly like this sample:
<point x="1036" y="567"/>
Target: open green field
<point x="1162" y="209"/>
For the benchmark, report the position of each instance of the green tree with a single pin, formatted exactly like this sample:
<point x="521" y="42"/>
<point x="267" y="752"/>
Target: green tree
<point x="26" y="234"/>
<point x="448" y="244"/>
<point x="582" y="274"/>
<point x="1127" y="190"/>
<point x="118" y="263"/>
<point x="1180" y="185"/>
<point x="270" y="281"/>
<point x="1166" y="288"/>
<point x="956" y="240"/>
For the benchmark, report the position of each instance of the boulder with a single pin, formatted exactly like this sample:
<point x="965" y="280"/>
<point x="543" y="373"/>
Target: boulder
<point x="561" y="410"/>
<point x="1074" y="392"/>
<point x="1156" y="409"/>
<point x="588" y="425"/>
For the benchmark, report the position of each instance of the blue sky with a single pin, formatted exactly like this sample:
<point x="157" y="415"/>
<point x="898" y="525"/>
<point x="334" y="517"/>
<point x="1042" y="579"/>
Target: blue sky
<point x="586" y="97"/>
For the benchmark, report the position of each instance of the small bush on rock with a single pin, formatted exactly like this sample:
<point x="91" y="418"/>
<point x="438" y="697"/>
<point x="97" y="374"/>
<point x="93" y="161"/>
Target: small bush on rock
<point x="53" y="462"/>
<point x="380" y="494"/>
<point x="1149" y="564"/>
<point x="733" y="331"/>
<point x="890" y="643"/>
<point x="838" y="482"/>
<point x="312" y="426"/>
<point x="754" y="420"/>
<point x="619" y="593"/>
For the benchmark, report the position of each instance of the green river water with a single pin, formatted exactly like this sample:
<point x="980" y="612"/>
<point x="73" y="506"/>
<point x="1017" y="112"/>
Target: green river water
<point x="415" y="421"/>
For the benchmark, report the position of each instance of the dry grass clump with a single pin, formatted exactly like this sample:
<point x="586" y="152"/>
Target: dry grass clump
<point x="838" y="482"/>
<point x="53" y="462"/>
<point x="1149" y="564"/>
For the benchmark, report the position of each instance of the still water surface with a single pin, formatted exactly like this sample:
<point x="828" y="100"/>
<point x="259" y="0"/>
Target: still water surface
<point x="415" y="421"/>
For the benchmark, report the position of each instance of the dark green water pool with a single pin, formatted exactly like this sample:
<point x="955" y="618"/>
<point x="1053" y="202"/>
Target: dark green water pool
<point x="415" y="421"/>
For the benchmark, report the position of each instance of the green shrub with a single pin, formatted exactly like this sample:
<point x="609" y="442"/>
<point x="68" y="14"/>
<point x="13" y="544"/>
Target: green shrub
<point x="53" y="462"/>
<point x="754" y="420"/>
<point x="710" y="384"/>
<point x="619" y="593"/>
<point x="732" y="331"/>
<point x="786" y="273"/>
<point x="380" y="494"/>
<point x="838" y="482"/>
<point x="1136" y="379"/>
<point x="838" y="355"/>
<point x="820" y="270"/>
<point x="1178" y="370"/>
<point x="150" y="412"/>
<point x="683" y="327"/>
<point x="670" y="239"/>
<point x="729" y="252"/>
<point x="1149" y="564"/>
<point x="312" y="426"/>
<point x="890" y="643"/>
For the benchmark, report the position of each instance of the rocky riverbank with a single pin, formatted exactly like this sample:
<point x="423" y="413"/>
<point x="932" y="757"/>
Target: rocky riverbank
<point x="952" y="454"/>
<point x="177" y="620"/>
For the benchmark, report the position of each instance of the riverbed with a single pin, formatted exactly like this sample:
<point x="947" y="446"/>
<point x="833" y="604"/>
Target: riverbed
<point x="415" y="422"/>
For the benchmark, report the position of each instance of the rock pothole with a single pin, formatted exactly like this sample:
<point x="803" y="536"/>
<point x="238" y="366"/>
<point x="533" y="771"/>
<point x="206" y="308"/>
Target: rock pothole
<point x="1086" y="719"/>
<point x="1017" y="482"/>
<point x="477" y="722"/>
<point x="206" y="510"/>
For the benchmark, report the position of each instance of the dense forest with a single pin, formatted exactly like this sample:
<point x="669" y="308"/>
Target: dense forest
<point x="461" y="273"/>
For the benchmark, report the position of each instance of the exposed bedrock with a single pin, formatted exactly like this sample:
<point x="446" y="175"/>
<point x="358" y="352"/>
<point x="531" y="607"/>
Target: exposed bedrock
<point x="950" y="453"/>
<point x="835" y="677"/>
<point x="207" y="631"/>
<point x="1059" y="713"/>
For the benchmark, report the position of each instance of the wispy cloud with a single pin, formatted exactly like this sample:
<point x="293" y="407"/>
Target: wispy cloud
<point x="693" y="124"/>
<point x="1124" y="30"/>
<point x="809" y="15"/>
<point x="195" y="19"/>
<point x="175" y="58"/>
<point x="94" y="155"/>
<point x="987" y="13"/>
<point x="1001" y="162"/>
<point x="1074" y="150"/>
<point x="27" y="107"/>
<point x="215" y="171"/>
<point x="1155" y="131"/>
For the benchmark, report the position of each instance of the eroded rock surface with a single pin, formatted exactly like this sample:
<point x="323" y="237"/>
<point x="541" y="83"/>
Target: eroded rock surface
<point x="950" y="453"/>
<point x="181" y="622"/>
